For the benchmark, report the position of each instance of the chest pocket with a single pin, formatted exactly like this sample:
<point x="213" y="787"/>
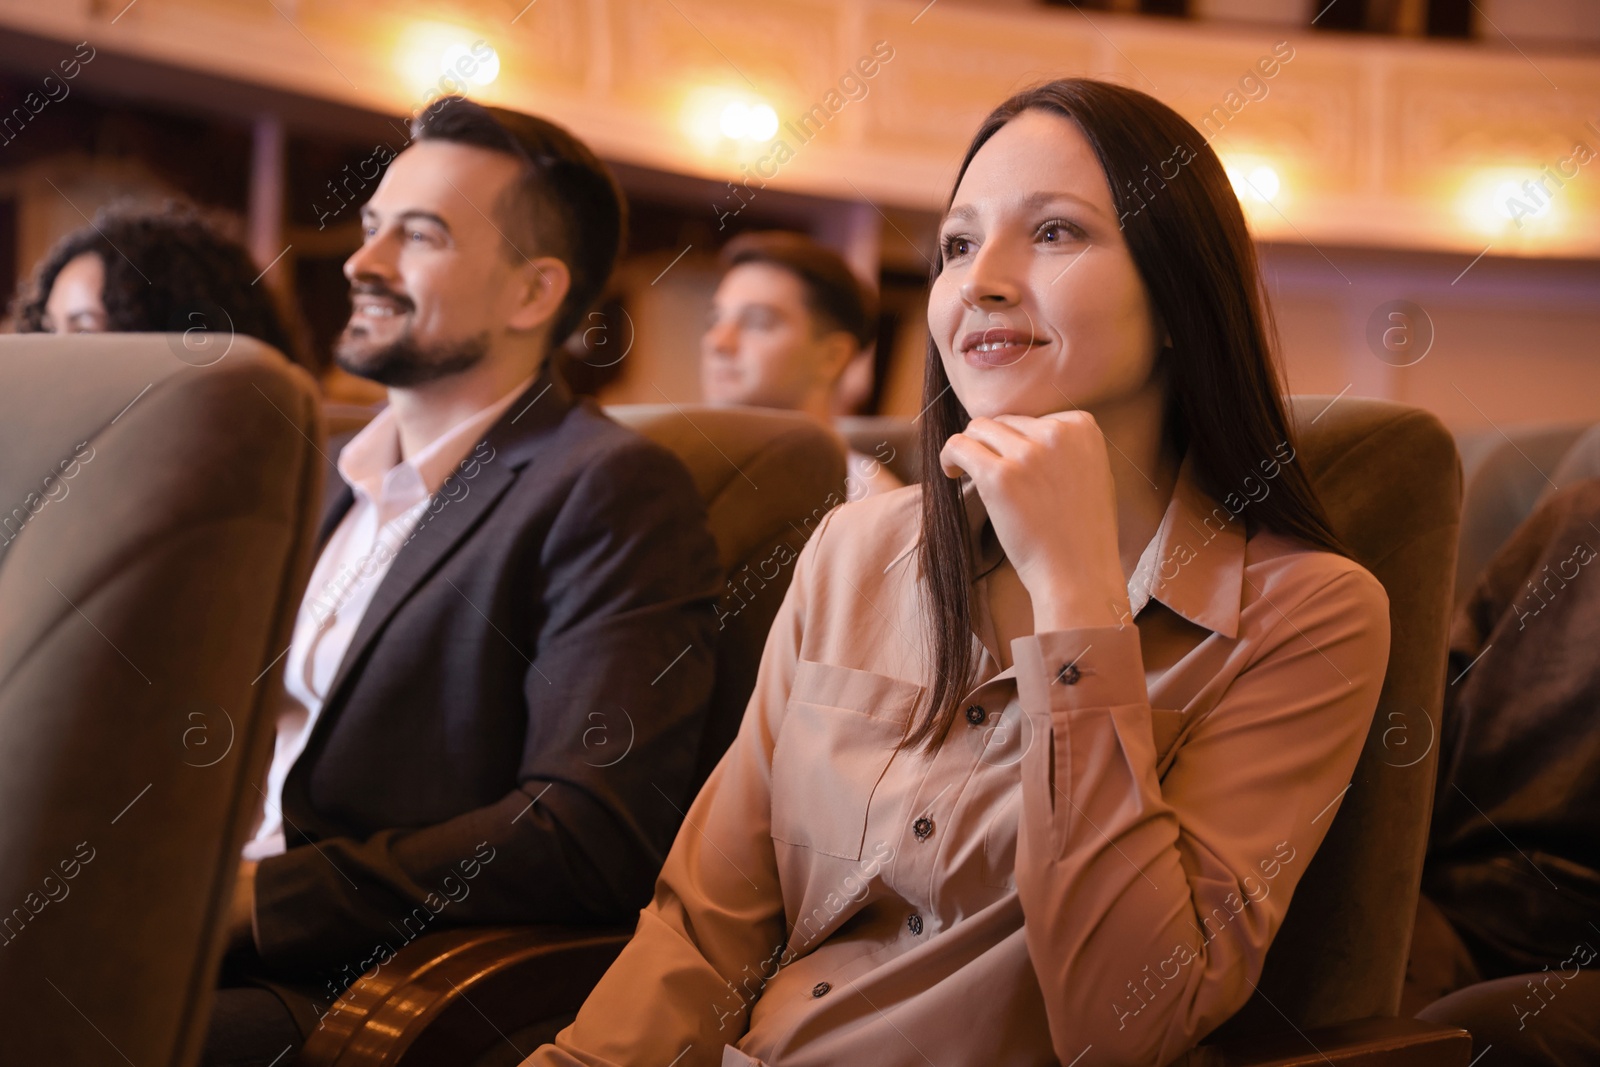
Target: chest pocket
<point x="840" y="728"/>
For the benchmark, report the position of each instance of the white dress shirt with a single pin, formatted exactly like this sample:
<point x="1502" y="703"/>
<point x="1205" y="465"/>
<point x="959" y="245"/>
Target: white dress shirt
<point x="391" y="494"/>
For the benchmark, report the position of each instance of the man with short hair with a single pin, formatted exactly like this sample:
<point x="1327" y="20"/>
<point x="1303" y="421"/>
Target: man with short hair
<point x="473" y="730"/>
<point x="787" y="319"/>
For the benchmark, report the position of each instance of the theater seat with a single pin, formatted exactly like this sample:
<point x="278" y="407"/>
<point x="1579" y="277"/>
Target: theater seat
<point x="1505" y="475"/>
<point x="475" y="996"/>
<point x="767" y="477"/>
<point x="1580" y="462"/>
<point x="893" y="440"/>
<point x="158" y="521"/>
<point x="1391" y="481"/>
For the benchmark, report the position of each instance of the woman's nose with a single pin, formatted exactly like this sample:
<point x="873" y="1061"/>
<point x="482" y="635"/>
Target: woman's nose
<point x="990" y="281"/>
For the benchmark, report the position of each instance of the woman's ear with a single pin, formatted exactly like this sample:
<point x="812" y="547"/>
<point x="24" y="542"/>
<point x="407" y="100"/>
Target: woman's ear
<point x="544" y="283"/>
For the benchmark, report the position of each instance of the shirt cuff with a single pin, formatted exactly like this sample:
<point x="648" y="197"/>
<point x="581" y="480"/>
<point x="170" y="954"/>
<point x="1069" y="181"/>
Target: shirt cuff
<point x="1092" y="667"/>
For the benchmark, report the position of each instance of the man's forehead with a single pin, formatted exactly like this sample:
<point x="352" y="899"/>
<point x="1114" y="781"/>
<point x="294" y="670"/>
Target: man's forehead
<point x="444" y="178"/>
<point x="761" y="284"/>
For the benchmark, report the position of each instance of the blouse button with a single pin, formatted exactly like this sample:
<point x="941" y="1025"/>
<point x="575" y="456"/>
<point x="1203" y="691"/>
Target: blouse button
<point x="976" y="714"/>
<point x="915" y="923"/>
<point x="923" y="828"/>
<point x="820" y="989"/>
<point x="1068" y="674"/>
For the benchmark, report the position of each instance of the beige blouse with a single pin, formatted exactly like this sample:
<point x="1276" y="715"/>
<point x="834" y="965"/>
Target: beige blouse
<point x="1090" y="868"/>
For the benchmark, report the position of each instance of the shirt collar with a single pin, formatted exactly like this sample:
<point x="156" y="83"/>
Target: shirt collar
<point x="370" y="463"/>
<point x="1194" y="564"/>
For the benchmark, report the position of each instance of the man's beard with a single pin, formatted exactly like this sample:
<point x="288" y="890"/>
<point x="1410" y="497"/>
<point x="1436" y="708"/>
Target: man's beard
<point x="403" y="363"/>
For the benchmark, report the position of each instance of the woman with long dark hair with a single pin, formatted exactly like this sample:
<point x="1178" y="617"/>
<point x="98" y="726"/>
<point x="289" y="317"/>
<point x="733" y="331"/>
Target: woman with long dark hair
<point x="1040" y="749"/>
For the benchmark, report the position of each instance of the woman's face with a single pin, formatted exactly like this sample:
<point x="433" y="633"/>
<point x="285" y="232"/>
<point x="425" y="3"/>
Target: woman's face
<point x="74" y="304"/>
<point x="1039" y="307"/>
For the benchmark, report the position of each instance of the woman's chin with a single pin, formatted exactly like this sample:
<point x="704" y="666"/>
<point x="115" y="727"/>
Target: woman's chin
<point x="1032" y="403"/>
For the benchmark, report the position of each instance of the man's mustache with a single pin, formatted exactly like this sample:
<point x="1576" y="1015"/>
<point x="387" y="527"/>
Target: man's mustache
<point x="375" y="289"/>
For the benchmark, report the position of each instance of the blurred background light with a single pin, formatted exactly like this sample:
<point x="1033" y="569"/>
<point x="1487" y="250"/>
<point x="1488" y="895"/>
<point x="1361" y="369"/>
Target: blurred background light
<point x="744" y="121"/>
<point x="459" y="58"/>
<point x="731" y="124"/>
<point x="1509" y="202"/>
<point x="445" y="57"/>
<point x="1254" y="182"/>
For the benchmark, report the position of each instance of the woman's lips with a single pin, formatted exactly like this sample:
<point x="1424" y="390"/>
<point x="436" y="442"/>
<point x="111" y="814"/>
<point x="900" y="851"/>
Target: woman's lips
<point x="997" y="347"/>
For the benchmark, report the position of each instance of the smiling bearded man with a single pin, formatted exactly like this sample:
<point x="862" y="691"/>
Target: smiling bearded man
<point x="503" y="568"/>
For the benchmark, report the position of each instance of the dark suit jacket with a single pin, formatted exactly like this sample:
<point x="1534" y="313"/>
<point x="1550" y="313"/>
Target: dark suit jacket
<point x="511" y="737"/>
<point x="1514" y="848"/>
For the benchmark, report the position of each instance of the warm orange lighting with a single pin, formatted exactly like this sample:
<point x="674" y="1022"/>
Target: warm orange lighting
<point x="480" y="67"/>
<point x="726" y="122"/>
<point x="748" y="122"/>
<point x="1507" y="202"/>
<point x="435" y="57"/>
<point x="1262" y="187"/>
<point x="1257" y="183"/>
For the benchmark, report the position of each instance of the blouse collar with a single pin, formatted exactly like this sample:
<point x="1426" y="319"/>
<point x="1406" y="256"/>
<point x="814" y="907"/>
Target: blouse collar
<point x="1194" y="563"/>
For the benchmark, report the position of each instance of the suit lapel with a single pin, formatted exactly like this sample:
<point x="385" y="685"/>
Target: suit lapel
<point x="447" y="522"/>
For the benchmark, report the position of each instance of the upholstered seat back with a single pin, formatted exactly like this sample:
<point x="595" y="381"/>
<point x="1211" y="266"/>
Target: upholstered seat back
<point x="767" y="478"/>
<point x="1391" y="482"/>
<point x="1581" y="461"/>
<point x="891" y="440"/>
<point x="1505" y="474"/>
<point x="157" y="523"/>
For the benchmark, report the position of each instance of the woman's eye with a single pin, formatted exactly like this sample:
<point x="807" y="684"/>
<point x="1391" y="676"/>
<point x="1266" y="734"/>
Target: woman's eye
<point x="1058" y="231"/>
<point x="955" y="245"/>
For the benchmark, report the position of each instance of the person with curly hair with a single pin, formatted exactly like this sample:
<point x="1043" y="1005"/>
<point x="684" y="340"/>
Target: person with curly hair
<point x="137" y="269"/>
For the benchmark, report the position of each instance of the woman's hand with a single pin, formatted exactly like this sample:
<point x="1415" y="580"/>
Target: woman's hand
<point x="1047" y="485"/>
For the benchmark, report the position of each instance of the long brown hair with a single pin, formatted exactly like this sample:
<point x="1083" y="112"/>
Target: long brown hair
<point x="1224" y="401"/>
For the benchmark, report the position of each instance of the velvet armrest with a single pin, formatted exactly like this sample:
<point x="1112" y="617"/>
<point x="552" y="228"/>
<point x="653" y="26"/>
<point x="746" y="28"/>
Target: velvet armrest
<point x="450" y="998"/>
